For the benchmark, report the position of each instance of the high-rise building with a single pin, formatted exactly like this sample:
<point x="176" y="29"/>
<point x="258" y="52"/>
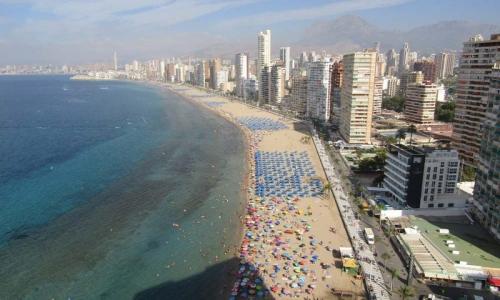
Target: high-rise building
<point x="423" y="177"/>
<point x="263" y="54"/>
<point x="298" y="97"/>
<point x="318" y="90"/>
<point x="408" y="78"/>
<point x="215" y="67"/>
<point x="403" y="64"/>
<point x="336" y="88"/>
<point x="445" y="64"/>
<point x="357" y="97"/>
<point x="420" y="103"/>
<point x="115" y="61"/>
<point x="486" y="190"/>
<point x="264" y="85"/>
<point x="221" y="78"/>
<point x="476" y="62"/>
<point x="392" y="63"/>
<point x="200" y="74"/>
<point x="428" y="68"/>
<point x="277" y="84"/>
<point x="377" y="95"/>
<point x="263" y="61"/>
<point x="285" y="58"/>
<point x="392" y="86"/>
<point x="241" y="72"/>
<point x="380" y="65"/>
<point x="303" y="60"/>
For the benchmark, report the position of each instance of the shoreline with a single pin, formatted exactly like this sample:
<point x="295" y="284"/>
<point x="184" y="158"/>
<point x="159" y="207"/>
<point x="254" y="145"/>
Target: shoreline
<point x="286" y="140"/>
<point x="245" y="185"/>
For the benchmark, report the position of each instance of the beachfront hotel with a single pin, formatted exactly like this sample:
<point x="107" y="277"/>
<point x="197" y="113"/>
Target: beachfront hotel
<point x="318" y="90"/>
<point x="357" y="97"/>
<point x="263" y="59"/>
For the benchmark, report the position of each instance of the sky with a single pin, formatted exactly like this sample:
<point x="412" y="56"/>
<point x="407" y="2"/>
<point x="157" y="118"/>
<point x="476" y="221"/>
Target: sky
<point x="86" y="31"/>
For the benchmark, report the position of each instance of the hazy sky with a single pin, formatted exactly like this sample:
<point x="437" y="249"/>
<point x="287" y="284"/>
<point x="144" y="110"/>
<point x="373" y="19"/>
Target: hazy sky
<point x="82" y="31"/>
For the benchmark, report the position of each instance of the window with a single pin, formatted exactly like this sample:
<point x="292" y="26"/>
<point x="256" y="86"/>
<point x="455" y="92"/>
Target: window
<point x="431" y="198"/>
<point x="442" y="164"/>
<point x="441" y="177"/>
<point x="434" y="176"/>
<point x="451" y="204"/>
<point x="441" y="171"/>
<point x="428" y="169"/>
<point x="450" y="184"/>
<point x="453" y="164"/>
<point x="428" y="176"/>
<point x="435" y="169"/>
<point x="452" y="171"/>
<point x="426" y="191"/>
<point x="440" y="184"/>
<point x="439" y="191"/>
<point x="432" y="191"/>
<point x="440" y="205"/>
<point x="449" y="191"/>
<point x="431" y="205"/>
<point x="425" y="198"/>
<point x="433" y="184"/>
<point x="426" y="183"/>
<point x="451" y="177"/>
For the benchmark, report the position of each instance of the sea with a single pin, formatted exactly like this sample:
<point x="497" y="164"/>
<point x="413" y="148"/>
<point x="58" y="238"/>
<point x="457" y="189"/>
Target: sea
<point x="115" y="190"/>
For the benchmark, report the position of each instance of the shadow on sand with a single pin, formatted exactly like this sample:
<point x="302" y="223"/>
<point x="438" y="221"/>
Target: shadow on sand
<point x="216" y="282"/>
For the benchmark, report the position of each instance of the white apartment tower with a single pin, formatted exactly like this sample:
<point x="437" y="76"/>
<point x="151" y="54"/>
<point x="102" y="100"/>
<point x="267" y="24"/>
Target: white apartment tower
<point x="241" y="72"/>
<point x="263" y="54"/>
<point x="285" y="58"/>
<point x="358" y="89"/>
<point x="318" y="90"/>
<point x="377" y="95"/>
<point x="277" y="84"/>
<point x="445" y="63"/>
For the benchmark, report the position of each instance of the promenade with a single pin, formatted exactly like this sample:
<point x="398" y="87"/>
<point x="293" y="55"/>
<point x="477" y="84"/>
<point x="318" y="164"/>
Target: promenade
<point x="371" y="271"/>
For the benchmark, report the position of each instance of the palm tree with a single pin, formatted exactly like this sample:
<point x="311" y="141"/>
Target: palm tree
<point x="406" y="292"/>
<point x="401" y="134"/>
<point x="327" y="187"/>
<point x="411" y="129"/>
<point x="394" y="274"/>
<point x="385" y="256"/>
<point x="391" y="140"/>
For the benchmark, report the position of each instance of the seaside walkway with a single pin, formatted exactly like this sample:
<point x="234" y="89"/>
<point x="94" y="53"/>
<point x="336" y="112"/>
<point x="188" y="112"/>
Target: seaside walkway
<point x="372" y="274"/>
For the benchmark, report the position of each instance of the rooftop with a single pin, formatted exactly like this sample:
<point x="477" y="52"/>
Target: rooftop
<point x="474" y="244"/>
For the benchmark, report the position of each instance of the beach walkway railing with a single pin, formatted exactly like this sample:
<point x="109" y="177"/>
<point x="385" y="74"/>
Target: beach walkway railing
<point x="372" y="275"/>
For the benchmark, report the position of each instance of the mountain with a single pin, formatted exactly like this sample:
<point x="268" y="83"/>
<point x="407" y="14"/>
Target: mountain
<point x="349" y="33"/>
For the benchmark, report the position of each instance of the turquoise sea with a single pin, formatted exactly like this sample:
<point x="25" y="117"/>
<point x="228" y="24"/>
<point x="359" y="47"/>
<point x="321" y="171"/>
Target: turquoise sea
<point x="93" y="177"/>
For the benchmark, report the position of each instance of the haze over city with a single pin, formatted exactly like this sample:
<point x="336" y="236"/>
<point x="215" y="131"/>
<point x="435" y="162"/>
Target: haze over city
<point x="71" y="32"/>
<point x="233" y="150"/>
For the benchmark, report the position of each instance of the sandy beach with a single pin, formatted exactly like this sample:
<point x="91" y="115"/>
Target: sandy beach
<point x="287" y="242"/>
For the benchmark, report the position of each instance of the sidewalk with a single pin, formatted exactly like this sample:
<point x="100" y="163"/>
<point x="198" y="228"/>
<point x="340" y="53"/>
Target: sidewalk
<point x="372" y="274"/>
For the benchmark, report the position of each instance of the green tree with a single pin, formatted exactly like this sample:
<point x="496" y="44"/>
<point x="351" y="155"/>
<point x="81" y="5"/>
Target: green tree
<point x="468" y="173"/>
<point x="395" y="103"/>
<point x="327" y="187"/>
<point x="401" y="134"/>
<point x="394" y="273"/>
<point x="385" y="256"/>
<point x="445" y="112"/>
<point x="411" y="129"/>
<point x="406" y="292"/>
